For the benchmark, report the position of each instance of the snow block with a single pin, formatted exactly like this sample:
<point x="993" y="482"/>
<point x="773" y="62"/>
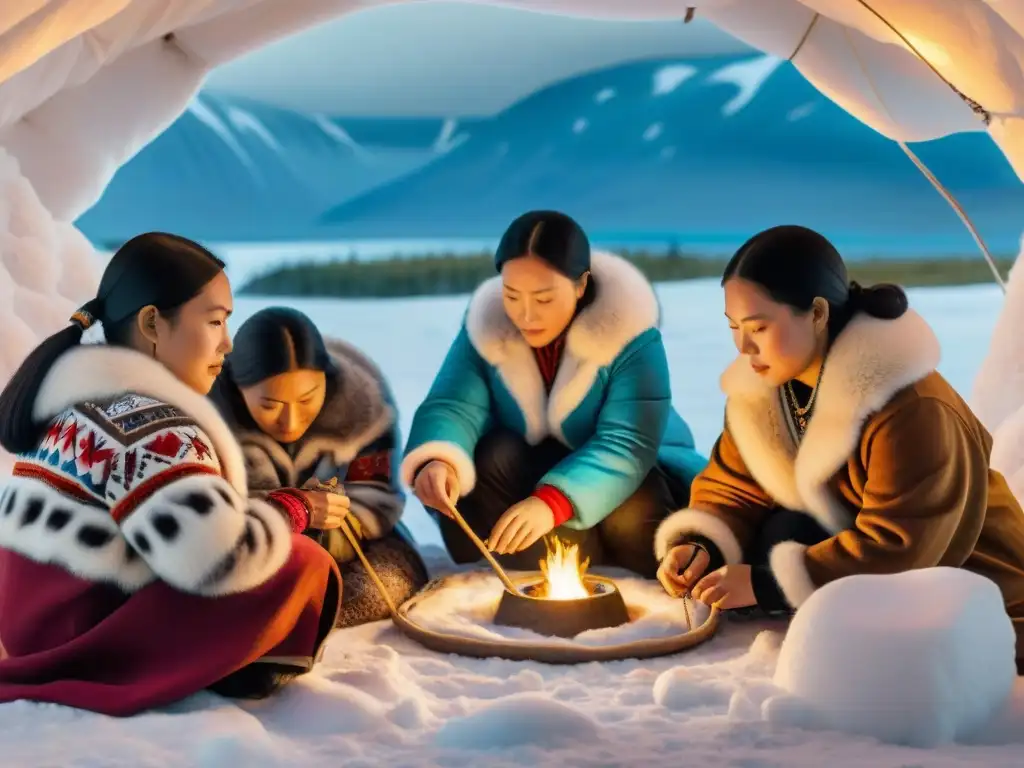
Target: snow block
<point x="921" y="658"/>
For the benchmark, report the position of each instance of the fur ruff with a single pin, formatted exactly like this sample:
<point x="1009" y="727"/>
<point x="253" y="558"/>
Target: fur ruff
<point x="200" y="533"/>
<point x="788" y="563"/>
<point x="94" y="373"/>
<point x="358" y="413"/>
<point x="625" y="306"/>
<point x="694" y="522"/>
<point x="442" y="450"/>
<point x="49" y="527"/>
<point x="201" y="537"/>
<point x="869" y="363"/>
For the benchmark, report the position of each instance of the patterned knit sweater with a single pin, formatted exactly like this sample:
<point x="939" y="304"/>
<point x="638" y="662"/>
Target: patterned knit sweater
<point x="129" y="488"/>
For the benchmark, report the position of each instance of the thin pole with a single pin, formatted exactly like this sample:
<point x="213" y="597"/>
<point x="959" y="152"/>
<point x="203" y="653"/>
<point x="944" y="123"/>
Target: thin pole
<point x="458" y="518"/>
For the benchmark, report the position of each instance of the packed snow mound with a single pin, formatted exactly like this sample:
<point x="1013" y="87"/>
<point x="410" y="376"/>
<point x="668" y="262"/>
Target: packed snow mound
<point x="921" y="658"/>
<point x="523" y="719"/>
<point x="466" y="606"/>
<point x="47" y="270"/>
<point x="998" y="391"/>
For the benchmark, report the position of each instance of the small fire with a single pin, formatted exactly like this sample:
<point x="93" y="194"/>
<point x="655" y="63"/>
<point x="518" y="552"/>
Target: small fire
<point x="563" y="573"/>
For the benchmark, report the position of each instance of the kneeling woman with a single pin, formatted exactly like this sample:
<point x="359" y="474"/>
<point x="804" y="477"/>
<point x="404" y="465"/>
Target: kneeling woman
<point x="553" y="409"/>
<point x="309" y="413"/>
<point x="844" y="451"/>
<point x="134" y="568"/>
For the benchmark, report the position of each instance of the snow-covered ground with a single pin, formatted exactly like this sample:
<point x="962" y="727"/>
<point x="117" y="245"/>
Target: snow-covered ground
<point x="858" y="661"/>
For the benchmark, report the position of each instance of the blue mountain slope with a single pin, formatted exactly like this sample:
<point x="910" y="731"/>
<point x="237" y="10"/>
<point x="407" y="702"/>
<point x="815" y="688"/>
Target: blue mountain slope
<point x="700" y="152"/>
<point x="232" y="169"/>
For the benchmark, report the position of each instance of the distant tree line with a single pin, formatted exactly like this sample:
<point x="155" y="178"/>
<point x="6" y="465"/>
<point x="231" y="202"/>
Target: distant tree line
<point x="451" y="274"/>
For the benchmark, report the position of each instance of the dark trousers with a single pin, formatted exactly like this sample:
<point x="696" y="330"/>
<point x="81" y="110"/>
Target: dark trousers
<point x="262" y="679"/>
<point x="508" y="471"/>
<point x="783" y="525"/>
<point x="779" y="525"/>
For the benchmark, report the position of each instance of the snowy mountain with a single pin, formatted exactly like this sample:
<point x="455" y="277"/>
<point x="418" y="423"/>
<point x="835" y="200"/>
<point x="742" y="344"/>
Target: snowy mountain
<point x="700" y="152"/>
<point x="233" y="169"/>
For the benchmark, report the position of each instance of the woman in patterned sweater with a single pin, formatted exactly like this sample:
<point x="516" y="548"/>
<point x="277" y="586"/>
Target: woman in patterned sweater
<point x="134" y="568"/>
<point x="311" y="411"/>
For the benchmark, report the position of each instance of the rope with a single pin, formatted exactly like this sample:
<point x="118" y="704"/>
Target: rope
<point x="806" y="34"/>
<point x="979" y="110"/>
<point x="354" y="543"/>
<point x="925" y="171"/>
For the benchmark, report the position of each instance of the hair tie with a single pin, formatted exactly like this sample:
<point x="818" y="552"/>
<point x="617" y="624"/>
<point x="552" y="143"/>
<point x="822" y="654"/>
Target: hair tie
<point x="83" y="318"/>
<point x="92" y="328"/>
<point x="856" y="292"/>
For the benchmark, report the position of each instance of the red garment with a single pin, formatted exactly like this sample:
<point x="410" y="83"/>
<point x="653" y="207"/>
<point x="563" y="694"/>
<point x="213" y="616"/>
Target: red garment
<point x="548" y="359"/>
<point x="293" y="506"/>
<point x="88" y="645"/>
<point x="561" y="507"/>
<point x="135" y="570"/>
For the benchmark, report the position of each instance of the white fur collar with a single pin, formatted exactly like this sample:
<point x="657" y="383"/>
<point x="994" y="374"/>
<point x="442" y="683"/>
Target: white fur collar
<point x="625" y="307"/>
<point x="95" y="372"/>
<point x="870" y="361"/>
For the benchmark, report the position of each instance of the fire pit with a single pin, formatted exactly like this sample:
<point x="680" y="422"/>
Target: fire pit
<point x="563" y="600"/>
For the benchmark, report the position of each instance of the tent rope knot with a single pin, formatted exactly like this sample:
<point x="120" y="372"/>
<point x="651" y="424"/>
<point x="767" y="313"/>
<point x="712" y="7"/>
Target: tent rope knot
<point x="984" y="114"/>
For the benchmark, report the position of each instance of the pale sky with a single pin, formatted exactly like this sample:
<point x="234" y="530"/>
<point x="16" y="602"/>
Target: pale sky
<point x="449" y="59"/>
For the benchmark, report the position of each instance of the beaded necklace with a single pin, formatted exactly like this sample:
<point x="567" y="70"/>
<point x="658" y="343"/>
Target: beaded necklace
<point x="798" y="416"/>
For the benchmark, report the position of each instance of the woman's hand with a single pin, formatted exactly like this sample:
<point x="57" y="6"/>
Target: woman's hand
<point x="437" y="486"/>
<point x="521" y="526"/>
<point x="728" y="587"/>
<point x="681" y="568"/>
<point x="326" y="508"/>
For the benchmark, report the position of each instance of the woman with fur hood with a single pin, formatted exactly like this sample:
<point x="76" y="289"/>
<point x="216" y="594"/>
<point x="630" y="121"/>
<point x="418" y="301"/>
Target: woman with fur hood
<point x="844" y="451"/>
<point x="552" y="410"/>
<point x="311" y="412"/>
<point x="135" y="570"/>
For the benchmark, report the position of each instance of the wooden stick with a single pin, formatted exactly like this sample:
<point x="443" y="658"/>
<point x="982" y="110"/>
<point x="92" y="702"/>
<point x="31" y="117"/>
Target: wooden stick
<point x="509" y="585"/>
<point x="353" y="540"/>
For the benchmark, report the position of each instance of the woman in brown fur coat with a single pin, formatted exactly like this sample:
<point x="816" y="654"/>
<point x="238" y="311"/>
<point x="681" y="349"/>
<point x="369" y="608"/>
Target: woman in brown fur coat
<point x="844" y="451"/>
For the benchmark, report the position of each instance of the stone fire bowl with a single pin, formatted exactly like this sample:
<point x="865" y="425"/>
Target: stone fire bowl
<point x="562" y="618"/>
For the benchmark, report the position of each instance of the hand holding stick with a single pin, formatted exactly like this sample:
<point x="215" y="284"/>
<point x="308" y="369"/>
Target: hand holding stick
<point x="454" y="514"/>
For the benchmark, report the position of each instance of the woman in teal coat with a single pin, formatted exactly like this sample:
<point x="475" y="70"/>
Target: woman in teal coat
<point x="552" y="410"/>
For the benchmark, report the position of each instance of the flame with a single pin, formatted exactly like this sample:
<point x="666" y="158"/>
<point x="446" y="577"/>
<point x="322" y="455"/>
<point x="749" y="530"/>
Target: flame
<point x="563" y="573"/>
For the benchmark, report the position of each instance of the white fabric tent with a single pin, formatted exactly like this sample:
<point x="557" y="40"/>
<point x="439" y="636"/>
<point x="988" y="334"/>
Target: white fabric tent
<point x="85" y="84"/>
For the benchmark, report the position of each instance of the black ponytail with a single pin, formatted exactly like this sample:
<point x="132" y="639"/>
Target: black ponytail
<point x="795" y="265"/>
<point x="18" y="431"/>
<point x="153" y="269"/>
<point x="885" y="301"/>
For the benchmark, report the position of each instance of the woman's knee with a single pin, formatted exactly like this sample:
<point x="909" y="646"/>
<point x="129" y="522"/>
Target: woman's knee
<point x="643" y="511"/>
<point x="401" y="571"/>
<point x="628" y="532"/>
<point x="500" y="453"/>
